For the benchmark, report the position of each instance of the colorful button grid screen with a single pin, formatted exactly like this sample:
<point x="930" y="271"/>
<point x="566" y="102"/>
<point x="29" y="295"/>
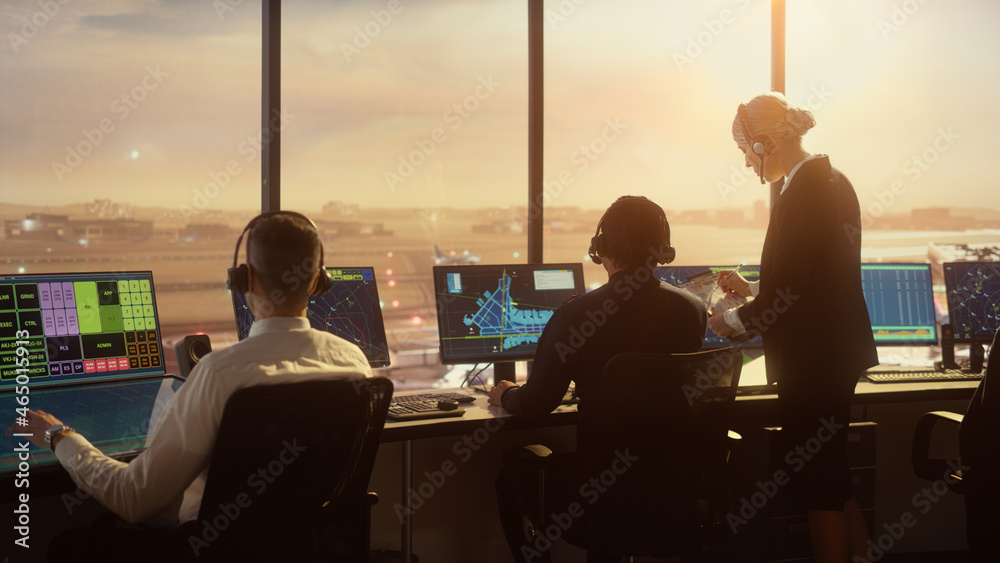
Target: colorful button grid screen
<point x="76" y="327"/>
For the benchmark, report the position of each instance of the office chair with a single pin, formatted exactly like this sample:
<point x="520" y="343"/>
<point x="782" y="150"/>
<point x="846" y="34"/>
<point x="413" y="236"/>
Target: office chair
<point x="289" y="474"/>
<point x="664" y="418"/>
<point x="977" y="473"/>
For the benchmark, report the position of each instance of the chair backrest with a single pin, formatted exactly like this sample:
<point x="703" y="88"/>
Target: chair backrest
<point x="283" y="452"/>
<point x="981" y="459"/>
<point x="660" y="446"/>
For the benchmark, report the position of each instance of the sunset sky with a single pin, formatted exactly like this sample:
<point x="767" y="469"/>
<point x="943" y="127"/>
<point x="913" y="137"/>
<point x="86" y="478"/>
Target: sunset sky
<point x="650" y="86"/>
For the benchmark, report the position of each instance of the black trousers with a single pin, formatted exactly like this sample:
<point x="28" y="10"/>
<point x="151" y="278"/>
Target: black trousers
<point x="565" y="515"/>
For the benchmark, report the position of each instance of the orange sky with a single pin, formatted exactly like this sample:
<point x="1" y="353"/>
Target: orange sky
<point x="164" y="98"/>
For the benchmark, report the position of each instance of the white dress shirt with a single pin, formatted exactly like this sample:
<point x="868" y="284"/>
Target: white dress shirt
<point x="171" y="471"/>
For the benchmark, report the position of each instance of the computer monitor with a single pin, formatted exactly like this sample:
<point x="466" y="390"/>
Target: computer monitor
<point x="900" y="300"/>
<point x="496" y="313"/>
<point x="973" y="295"/>
<point x="350" y="310"/>
<point x="678" y="275"/>
<point x="78" y="327"/>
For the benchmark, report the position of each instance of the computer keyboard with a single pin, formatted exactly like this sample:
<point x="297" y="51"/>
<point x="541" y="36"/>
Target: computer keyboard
<point x="419" y="410"/>
<point x="911" y="375"/>
<point x="434" y="396"/>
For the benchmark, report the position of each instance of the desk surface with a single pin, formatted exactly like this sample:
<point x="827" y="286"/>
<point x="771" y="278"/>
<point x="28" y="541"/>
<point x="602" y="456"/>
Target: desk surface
<point x="478" y="414"/>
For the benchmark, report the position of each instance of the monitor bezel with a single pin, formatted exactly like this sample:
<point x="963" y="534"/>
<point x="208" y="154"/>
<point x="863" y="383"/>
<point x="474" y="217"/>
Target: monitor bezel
<point x="440" y="303"/>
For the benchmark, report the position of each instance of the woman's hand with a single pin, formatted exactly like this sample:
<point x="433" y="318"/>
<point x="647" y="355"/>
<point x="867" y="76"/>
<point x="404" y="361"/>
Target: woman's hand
<point x="734" y="284"/>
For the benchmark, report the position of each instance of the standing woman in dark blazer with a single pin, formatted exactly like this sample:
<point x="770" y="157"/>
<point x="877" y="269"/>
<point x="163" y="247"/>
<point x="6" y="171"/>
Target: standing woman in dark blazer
<point x="811" y="313"/>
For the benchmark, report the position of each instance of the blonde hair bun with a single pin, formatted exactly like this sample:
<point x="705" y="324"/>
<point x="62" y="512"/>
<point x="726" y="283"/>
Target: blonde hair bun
<point x="800" y="120"/>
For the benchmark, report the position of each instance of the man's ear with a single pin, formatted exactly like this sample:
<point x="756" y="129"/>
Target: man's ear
<point x="251" y="278"/>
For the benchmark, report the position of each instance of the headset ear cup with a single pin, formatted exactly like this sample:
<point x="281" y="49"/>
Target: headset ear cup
<point x="323" y="283"/>
<point x="669" y="255"/>
<point x="238" y="279"/>
<point x="758" y="148"/>
<point x="595" y="252"/>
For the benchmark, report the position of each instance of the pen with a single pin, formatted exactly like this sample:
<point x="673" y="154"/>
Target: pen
<point x="734" y="270"/>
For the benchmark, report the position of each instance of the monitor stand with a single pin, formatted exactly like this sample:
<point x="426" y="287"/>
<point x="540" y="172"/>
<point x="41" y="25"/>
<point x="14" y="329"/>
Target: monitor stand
<point x="503" y="371"/>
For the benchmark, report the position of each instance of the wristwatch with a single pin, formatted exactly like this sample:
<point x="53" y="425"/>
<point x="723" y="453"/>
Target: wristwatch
<point x="53" y="431"/>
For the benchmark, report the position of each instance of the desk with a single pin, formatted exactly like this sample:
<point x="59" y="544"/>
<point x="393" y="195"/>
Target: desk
<point x="479" y="416"/>
<point x="750" y="410"/>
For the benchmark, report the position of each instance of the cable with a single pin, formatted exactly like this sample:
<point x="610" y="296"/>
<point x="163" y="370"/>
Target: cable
<point x="473" y="374"/>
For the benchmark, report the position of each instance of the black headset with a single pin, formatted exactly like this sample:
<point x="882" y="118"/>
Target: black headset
<point x="238" y="279"/>
<point x="597" y="242"/>
<point x="756" y="146"/>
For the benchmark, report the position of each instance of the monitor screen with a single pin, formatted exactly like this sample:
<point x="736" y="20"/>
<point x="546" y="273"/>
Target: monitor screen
<point x="115" y="416"/>
<point x="678" y="275"/>
<point x="78" y="327"/>
<point x="495" y="313"/>
<point x="350" y="310"/>
<point x="900" y="300"/>
<point x="973" y="295"/>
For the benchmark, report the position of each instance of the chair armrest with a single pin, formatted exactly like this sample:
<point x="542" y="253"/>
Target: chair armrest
<point x="517" y="459"/>
<point x="924" y="466"/>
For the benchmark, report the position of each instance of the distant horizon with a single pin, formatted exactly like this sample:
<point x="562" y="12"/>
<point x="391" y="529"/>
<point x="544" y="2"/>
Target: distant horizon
<point x="318" y="210"/>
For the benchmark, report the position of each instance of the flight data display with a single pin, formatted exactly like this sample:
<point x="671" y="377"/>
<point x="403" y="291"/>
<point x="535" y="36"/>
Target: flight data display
<point x="60" y="328"/>
<point x="492" y="313"/>
<point x="350" y="310"/>
<point x="900" y="301"/>
<point x="680" y="275"/>
<point x="973" y="294"/>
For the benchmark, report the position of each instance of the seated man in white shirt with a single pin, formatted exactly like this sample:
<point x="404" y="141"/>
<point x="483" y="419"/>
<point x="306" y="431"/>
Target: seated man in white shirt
<point x="284" y="254"/>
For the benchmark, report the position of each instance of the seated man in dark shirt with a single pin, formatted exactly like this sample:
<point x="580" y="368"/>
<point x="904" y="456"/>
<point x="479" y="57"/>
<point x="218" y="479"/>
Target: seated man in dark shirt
<point x="633" y="312"/>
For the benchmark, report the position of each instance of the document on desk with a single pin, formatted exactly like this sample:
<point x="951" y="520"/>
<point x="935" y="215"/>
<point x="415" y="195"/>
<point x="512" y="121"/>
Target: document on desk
<point x="705" y="286"/>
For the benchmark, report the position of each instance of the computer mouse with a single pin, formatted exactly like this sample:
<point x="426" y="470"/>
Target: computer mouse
<point x="447" y="404"/>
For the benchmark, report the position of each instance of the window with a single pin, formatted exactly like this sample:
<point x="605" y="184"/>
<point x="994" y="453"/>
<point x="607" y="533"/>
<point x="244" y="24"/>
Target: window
<point x="408" y="143"/>
<point x="129" y="135"/>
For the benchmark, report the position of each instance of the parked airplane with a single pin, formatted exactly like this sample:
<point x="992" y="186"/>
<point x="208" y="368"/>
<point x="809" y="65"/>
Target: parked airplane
<point x="458" y="259"/>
